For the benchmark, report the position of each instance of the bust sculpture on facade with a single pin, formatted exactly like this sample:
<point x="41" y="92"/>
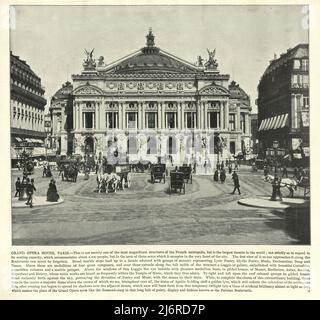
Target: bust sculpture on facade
<point x="101" y="61"/>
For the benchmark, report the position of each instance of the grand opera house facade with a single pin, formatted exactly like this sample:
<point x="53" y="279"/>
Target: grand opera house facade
<point x="151" y="105"/>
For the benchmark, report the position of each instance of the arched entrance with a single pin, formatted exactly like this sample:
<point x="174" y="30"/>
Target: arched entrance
<point x="88" y="145"/>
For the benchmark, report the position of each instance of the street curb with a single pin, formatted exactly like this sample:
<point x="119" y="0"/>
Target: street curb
<point x="265" y="202"/>
<point x="46" y="204"/>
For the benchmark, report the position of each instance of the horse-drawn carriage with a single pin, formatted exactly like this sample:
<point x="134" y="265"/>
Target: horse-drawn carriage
<point x="177" y="182"/>
<point x="113" y="178"/>
<point x="69" y="170"/>
<point x="123" y="171"/>
<point x="187" y="173"/>
<point x="158" y="172"/>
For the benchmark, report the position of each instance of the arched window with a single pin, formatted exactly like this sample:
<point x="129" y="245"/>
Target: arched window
<point x="172" y="147"/>
<point x="152" y="145"/>
<point x="132" y="145"/>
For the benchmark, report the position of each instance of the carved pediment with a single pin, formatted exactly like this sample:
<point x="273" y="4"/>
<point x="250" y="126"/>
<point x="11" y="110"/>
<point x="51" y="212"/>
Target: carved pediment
<point x="214" y="90"/>
<point x="88" y="90"/>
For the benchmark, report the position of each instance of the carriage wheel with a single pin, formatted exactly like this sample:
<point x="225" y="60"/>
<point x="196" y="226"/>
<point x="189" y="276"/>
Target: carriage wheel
<point x="184" y="189"/>
<point x="122" y="184"/>
<point x="152" y="179"/>
<point x="62" y="176"/>
<point x="191" y="179"/>
<point x="129" y="182"/>
<point x="164" y="178"/>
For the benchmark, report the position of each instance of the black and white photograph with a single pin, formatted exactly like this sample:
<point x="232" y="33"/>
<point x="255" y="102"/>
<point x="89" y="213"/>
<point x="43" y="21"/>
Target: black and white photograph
<point x="159" y="125"/>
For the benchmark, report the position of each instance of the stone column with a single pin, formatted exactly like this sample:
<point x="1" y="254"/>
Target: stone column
<point x="139" y="115"/>
<point x="221" y="116"/>
<point x="123" y="116"/>
<point x="143" y="120"/>
<point x="74" y="119"/>
<point x="238" y="127"/>
<point x="179" y="115"/>
<point x="80" y="117"/>
<point x="182" y="115"/>
<point x="206" y="116"/>
<point x="163" y="126"/>
<point x="198" y="114"/>
<point x="226" y="115"/>
<point x="247" y="123"/>
<point x="159" y="124"/>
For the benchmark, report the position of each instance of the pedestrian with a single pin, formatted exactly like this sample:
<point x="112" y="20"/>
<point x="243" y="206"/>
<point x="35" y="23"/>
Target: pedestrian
<point x="230" y="169"/>
<point x="227" y="163"/>
<point x="265" y="172"/>
<point x="30" y="190"/>
<point x="216" y="176"/>
<point x="18" y="165"/>
<point x="44" y="171"/>
<point x="18" y="188"/>
<point x="223" y="175"/>
<point x="194" y="167"/>
<point x="218" y="165"/>
<point x="236" y="165"/>
<point x="52" y="193"/>
<point x="222" y="165"/>
<point x="284" y="171"/>
<point x="236" y="183"/>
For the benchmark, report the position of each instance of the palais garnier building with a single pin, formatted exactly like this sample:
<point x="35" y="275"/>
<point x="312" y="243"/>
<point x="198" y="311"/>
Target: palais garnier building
<point x="151" y="106"/>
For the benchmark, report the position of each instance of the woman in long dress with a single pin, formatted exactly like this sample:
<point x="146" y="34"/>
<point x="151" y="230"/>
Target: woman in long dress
<point x="52" y="193"/>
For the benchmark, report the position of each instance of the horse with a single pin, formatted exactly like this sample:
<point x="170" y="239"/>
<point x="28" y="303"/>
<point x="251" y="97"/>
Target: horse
<point x="70" y="172"/>
<point x="290" y="184"/>
<point x="108" y="182"/>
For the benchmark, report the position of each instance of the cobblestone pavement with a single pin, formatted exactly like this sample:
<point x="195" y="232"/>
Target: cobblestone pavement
<point x="147" y="214"/>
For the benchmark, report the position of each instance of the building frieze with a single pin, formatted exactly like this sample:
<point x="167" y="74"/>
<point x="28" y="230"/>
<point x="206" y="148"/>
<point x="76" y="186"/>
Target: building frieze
<point x="160" y="75"/>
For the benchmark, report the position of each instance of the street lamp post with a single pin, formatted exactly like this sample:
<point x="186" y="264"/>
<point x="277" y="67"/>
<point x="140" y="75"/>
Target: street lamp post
<point x="274" y="152"/>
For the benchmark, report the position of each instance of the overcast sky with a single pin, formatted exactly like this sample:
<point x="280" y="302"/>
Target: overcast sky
<point x="52" y="39"/>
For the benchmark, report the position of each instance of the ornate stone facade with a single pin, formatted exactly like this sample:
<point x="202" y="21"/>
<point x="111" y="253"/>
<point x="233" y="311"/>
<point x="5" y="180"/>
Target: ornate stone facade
<point x="152" y="104"/>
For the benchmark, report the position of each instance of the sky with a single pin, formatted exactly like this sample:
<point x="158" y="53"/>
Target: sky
<point x="52" y="39"/>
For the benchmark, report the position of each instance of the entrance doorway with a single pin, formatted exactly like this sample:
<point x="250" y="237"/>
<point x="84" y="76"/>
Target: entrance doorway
<point x="88" y="145"/>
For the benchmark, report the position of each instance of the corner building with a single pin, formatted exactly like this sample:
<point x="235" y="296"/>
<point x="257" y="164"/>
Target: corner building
<point x="27" y="104"/>
<point x="150" y="105"/>
<point x="283" y="103"/>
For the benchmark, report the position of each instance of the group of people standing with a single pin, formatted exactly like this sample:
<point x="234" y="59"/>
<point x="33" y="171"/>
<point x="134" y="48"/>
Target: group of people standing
<point x="220" y="173"/>
<point x="25" y="190"/>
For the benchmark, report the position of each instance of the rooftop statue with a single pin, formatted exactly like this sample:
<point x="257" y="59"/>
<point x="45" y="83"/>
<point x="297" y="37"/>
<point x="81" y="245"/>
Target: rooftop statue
<point x="212" y="62"/>
<point x="89" y="63"/>
<point x="89" y="55"/>
<point x="200" y="61"/>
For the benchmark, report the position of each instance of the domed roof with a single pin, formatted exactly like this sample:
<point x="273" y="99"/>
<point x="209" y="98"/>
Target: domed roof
<point x="152" y="59"/>
<point x="64" y="91"/>
<point x="151" y="62"/>
<point x="236" y="92"/>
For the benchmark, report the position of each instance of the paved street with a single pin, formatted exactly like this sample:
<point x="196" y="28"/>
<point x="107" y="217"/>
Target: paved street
<point x="147" y="214"/>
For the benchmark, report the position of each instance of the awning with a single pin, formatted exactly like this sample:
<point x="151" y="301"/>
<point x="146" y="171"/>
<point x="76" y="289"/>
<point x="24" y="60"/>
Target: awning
<point x="284" y="121"/>
<point x="28" y="140"/>
<point x="273" y="123"/>
<point x="262" y="125"/>
<point x="18" y="139"/>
